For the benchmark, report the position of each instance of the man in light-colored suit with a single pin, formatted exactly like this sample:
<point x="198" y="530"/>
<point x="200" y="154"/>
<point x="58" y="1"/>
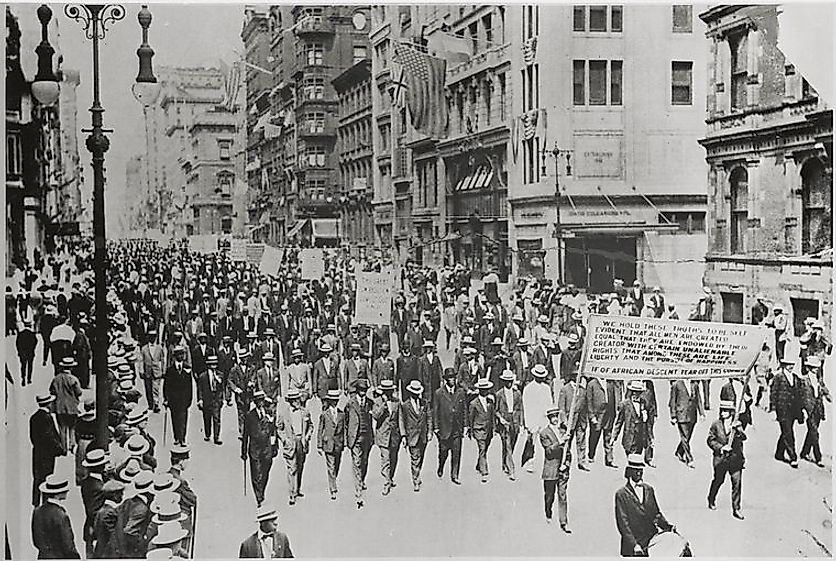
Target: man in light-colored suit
<point x="685" y="404"/>
<point x="509" y="416"/>
<point x="294" y="431"/>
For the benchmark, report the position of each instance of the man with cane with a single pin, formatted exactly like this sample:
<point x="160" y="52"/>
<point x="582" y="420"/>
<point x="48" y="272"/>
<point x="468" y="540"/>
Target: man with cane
<point x="259" y="444"/>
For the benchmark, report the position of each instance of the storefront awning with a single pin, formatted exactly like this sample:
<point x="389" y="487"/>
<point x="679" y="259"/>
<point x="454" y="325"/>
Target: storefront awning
<point x="477" y="179"/>
<point x="325" y="228"/>
<point x="296" y="228"/>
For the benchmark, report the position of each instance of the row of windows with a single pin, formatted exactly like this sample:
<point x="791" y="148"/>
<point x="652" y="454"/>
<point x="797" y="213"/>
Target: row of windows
<point x="354" y="136"/>
<point x="356" y="99"/>
<point x="602" y="19"/>
<point x="356" y="170"/>
<point x="477" y="106"/>
<point x="427" y="183"/>
<point x="601" y="82"/>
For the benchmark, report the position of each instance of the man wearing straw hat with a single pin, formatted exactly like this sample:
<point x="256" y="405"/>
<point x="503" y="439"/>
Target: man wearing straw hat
<point x="52" y="532"/>
<point x="359" y="434"/>
<point x="556" y="466"/>
<point x="294" y="430"/>
<point x="177" y="392"/>
<point x="386" y="415"/>
<point x="299" y="375"/>
<point x="725" y="438"/>
<point x="67" y="391"/>
<point x="267" y="542"/>
<point x="537" y="399"/>
<point x="46" y="443"/>
<point x="481" y="413"/>
<point x="637" y="514"/>
<point x="104" y="525"/>
<point x="786" y="399"/>
<point x="240" y="382"/>
<point x="210" y="399"/>
<point x="92" y="496"/>
<point x="170" y="536"/>
<point x="153" y="368"/>
<point x="813" y="394"/>
<point x="259" y="443"/>
<point x="188" y="498"/>
<point x="330" y="438"/>
<point x="414" y="427"/>
<point x="134" y="515"/>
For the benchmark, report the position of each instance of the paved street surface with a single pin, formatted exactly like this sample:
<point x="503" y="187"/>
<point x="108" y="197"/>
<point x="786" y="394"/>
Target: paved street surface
<point x="501" y="518"/>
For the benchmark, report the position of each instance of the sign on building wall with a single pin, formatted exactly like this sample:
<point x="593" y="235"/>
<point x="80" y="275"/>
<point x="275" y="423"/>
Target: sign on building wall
<point x="374" y="298"/>
<point x="633" y="348"/>
<point x="313" y="263"/>
<point x="606" y="214"/>
<point x="599" y="156"/>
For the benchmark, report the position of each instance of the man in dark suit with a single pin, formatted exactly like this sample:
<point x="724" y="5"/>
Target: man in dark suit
<point x="133" y="517"/>
<point x="632" y="416"/>
<point x="407" y="369"/>
<point x="685" y="404"/>
<point x="259" y="444"/>
<point x="210" y="399"/>
<point x="325" y="372"/>
<point x="729" y="392"/>
<point x="46" y="444"/>
<point x="268" y="542"/>
<point x="651" y="406"/>
<point x="785" y="398"/>
<point x="556" y="465"/>
<point x="637" y="513"/>
<point x="178" y="392"/>
<point x="725" y="438"/>
<point x="814" y="394"/>
<point x="52" y="532"/>
<point x="399" y="321"/>
<point x="330" y="438"/>
<point x="480" y="424"/>
<point x="449" y="408"/>
<point x="509" y="416"/>
<point x="268" y="378"/>
<point x="104" y="526"/>
<point x="199" y="354"/>
<point x="570" y="358"/>
<point x="25" y="343"/>
<point x="387" y="434"/>
<point x="355" y="366"/>
<point x="430" y="371"/>
<point x="414" y="426"/>
<point x="601" y="411"/>
<point x="657" y="302"/>
<point x="91" y="492"/>
<point x="359" y="435"/>
<point x="573" y="395"/>
<point x="383" y="367"/>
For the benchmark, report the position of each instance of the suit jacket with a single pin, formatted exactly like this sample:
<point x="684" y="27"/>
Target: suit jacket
<point x="386" y="415"/>
<point x="199" y="358"/>
<point x="407" y="369"/>
<point x="177" y="387"/>
<point x="466" y="379"/>
<point x="430" y="373"/>
<point x="568" y="392"/>
<point x="635" y="427"/>
<point x="481" y="419"/>
<point x="353" y="411"/>
<point x="205" y="393"/>
<point x="325" y="379"/>
<point x="718" y="437"/>
<point x="259" y="438"/>
<point x="813" y="401"/>
<point x="133" y="517"/>
<point x="153" y="364"/>
<point x="637" y="522"/>
<point x="52" y="533"/>
<point x="684" y="404"/>
<point x="93" y="499"/>
<point x="596" y="402"/>
<point x="270" y="383"/>
<point x="554" y="451"/>
<point x="43" y="434"/>
<point x="251" y="547"/>
<point x="104" y="532"/>
<point x="449" y="412"/>
<point x="287" y="436"/>
<point x="649" y="398"/>
<point x="522" y="371"/>
<point x="351" y="371"/>
<point x="785" y="399"/>
<point x="506" y="417"/>
<point x="26" y="342"/>
<point x="569" y="362"/>
<point x="330" y="437"/>
<point x="67" y="390"/>
<point x="414" y="425"/>
<point x="382" y="369"/>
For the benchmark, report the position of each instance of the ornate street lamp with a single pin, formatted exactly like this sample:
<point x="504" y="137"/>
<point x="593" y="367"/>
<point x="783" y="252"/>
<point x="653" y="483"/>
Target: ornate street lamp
<point x="45" y="87"/>
<point x="94" y="19"/>
<point x="146" y="89"/>
<point x="558" y="233"/>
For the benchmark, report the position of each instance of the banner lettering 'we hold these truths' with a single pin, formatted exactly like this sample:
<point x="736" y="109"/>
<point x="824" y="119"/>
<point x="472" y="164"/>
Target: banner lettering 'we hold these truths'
<point x="626" y="348"/>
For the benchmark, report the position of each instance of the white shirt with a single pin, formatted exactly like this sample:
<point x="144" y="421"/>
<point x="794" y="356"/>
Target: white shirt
<point x="509" y="399"/>
<point x="484" y="401"/>
<point x="296" y="421"/>
<point x="266" y="541"/>
<point x="639" y="490"/>
<point x="537" y="397"/>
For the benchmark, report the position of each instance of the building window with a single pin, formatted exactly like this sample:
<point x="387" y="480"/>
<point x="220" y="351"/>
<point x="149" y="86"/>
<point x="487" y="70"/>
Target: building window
<point x="384" y="138"/>
<point x="486" y="96"/>
<point x="226" y="224"/>
<point x="502" y="97"/>
<point x="314" y="87"/>
<point x="402" y="120"/>
<point x="361" y="52"/>
<point x="616" y="19"/>
<point x="739" y="182"/>
<point x="681" y="82"/>
<point x="473" y="31"/>
<point x="615" y="82"/>
<point x="224" y="147"/>
<point x="315" y="122"/>
<point x="579" y="82"/>
<point x="682" y="18"/>
<point x="531" y="87"/>
<point x="816" y="208"/>
<point x="579" y="18"/>
<point x="315" y="156"/>
<point x="739" y="70"/>
<point x="487" y="25"/>
<point x="225" y="184"/>
<point x="688" y="222"/>
<point x="597" y="82"/>
<point x="531" y="152"/>
<point x="598" y="18"/>
<point x="14" y="154"/>
<point x="314" y="53"/>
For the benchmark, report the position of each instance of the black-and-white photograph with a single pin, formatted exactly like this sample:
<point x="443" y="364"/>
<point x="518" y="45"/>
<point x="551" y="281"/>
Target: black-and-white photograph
<point x="432" y="281"/>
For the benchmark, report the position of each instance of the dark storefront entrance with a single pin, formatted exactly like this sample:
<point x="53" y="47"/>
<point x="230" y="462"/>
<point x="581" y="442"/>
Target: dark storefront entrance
<point x="593" y="262"/>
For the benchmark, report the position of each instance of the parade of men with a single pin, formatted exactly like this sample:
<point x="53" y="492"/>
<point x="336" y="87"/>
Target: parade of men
<point x="381" y="281"/>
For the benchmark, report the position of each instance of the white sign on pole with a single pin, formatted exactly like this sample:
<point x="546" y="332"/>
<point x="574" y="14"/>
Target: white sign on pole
<point x="633" y="348"/>
<point x="271" y="260"/>
<point x="313" y="263"/>
<point x="238" y="249"/>
<point x="374" y="296"/>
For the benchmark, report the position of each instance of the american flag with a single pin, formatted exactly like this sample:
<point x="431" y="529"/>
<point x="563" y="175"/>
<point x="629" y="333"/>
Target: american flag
<point x="424" y="78"/>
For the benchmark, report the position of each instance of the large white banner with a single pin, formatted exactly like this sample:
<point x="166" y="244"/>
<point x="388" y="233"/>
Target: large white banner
<point x="313" y="263"/>
<point x="238" y="249"/>
<point x="374" y="298"/>
<point x="626" y="347"/>
<point x="271" y="260"/>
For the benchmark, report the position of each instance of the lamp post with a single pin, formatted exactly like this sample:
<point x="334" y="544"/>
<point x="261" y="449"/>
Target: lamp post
<point x="45" y="86"/>
<point x="558" y="233"/>
<point x="95" y="19"/>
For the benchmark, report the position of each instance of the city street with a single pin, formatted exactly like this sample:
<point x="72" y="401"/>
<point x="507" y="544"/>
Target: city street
<point x="784" y="508"/>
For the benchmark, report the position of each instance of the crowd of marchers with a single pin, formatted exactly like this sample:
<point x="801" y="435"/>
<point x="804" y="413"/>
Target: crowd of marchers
<point x="192" y="333"/>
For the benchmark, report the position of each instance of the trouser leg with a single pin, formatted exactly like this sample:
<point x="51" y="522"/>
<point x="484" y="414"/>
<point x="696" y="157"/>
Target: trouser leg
<point x="549" y="488"/>
<point x="594" y="438"/>
<point x="241" y="408"/>
<point x="482" y="458"/>
<point x="443" y="452"/>
<point x="736" y="485"/>
<point x="331" y="461"/>
<point x="256" y="467"/>
<point x="685" y="431"/>
<point x="580" y="442"/>
<point x="357" y="465"/>
<point x="157" y="386"/>
<point x="608" y="452"/>
<point x="648" y="452"/>
<point x="716" y="482"/>
<point x="300" y="466"/>
<point x="384" y="465"/>
<point x="148" y="383"/>
<point x="706" y="391"/>
<point x="509" y="439"/>
<point x="416" y="456"/>
<point x="207" y="421"/>
<point x="455" y="456"/>
<point x="562" y="505"/>
<point x="788" y="437"/>
<point x="394" y="451"/>
<point x="292" y="467"/>
<point x="216" y="420"/>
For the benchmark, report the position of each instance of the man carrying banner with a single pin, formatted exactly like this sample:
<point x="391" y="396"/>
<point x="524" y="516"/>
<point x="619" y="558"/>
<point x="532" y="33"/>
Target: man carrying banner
<point x="725" y="438"/>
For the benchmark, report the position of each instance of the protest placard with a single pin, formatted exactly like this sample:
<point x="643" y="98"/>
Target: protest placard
<point x="374" y="296"/>
<point x="626" y="347"/>
<point x="254" y="253"/>
<point x="313" y="263"/>
<point x="238" y="249"/>
<point x="270" y="261"/>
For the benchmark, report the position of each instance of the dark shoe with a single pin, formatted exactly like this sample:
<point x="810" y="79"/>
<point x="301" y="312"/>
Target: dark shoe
<point x="548" y="520"/>
<point x="440" y="473"/>
<point x="359" y="505"/>
<point x="565" y="528"/>
<point x="300" y="494"/>
<point x="206" y="438"/>
<point x="820" y="464"/>
<point x="737" y="515"/>
<point x="484" y="479"/>
<point x="583" y="467"/>
<point x="218" y="442"/>
<point x="456" y="481"/>
<point x="416" y="487"/>
<point x="650" y="464"/>
<point x="794" y="464"/>
<point x="291" y="502"/>
<point x="393" y="484"/>
<point x="333" y="496"/>
<point x="386" y="490"/>
<point x="712" y="506"/>
<point x="610" y="464"/>
<point x="513" y="477"/>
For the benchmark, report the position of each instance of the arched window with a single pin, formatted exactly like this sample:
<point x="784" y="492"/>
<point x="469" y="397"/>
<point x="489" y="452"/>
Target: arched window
<point x="739" y="182"/>
<point x="816" y="207"/>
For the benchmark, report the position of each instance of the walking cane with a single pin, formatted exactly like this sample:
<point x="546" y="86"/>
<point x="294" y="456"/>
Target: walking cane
<point x="165" y="425"/>
<point x="194" y="528"/>
<point x="245" y="476"/>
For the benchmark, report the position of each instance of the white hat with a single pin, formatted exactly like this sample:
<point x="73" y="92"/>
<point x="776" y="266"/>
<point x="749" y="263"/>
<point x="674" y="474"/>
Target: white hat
<point x="484" y="384"/>
<point x="539" y="371"/>
<point x="54" y="484"/>
<point x="266" y="513"/>
<point x="415" y="387"/>
<point x="635" y="461"/>
<point x="635" y="386"/>
<point x="169" y="533"/>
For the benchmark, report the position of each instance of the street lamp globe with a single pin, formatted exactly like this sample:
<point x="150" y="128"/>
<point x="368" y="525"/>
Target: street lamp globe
<point x="146" y="93"/>
<point x="146" y="89"/>
<point x="46" y="92"/>
<point x="45" y="86"/>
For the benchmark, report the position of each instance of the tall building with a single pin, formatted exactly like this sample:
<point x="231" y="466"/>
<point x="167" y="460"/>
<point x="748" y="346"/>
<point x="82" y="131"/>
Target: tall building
<point x="769" y="148"/>
<point x="618" y="91"/>
<point x="354" y="145"/>
<point x="72" y="178"/>
<point x="293" y="54"/>
<point x="135" y="203"/>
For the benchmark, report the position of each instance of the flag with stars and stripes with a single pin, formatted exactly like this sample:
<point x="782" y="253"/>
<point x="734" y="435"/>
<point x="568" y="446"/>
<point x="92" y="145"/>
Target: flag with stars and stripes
<point x="424" y="78"/>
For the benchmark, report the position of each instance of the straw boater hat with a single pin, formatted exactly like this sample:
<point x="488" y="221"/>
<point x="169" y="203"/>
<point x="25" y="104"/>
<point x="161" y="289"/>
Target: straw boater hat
<point x="212" y="360"/>
<point x="167" y="509"/>
<point x="95" y="458"/>
<point x="269" y="331"/>
<point x="67" y="362"/>
<point x="292" y="394"/>
<point x="387" y="385"/>
<point x="266" y="513"/>
<point x="497" y="341"/>
<point x="467" y="340"/>
<point x="179" y="451"/>
<point x="635" y="461"/>
<point x="429" y="344"/>
<point x="54" y="484"/>
<point x="788" y="360"/>
<point x="333" y="394"/>
<point x="267" y="356"/>
<point x="137" y="445"/>
<point x="726" y="404"/>
<point x="252" y="335"/>
<point x="818" y="324"/>
<point x="325" y="348"/>
<point x="129" y="472"/>
<point x="553" y="411"/>
<point x="484" y="384"/>
<point x="539" y="371"/>
<point x="296" y="352"/>
<point x="415" y="387"/>
<point x="44" y="399"/>
<point x="160" y="553"/>
<point x="165" y="482"/>
<point x="169" y="533"/>
<point x="635" y="386"/>
<point x="577" y="315"/>
<point x="356" y="346"/>
<point x="573" y="338"/>
<point x="136" y="416"/>
<point x="522" y="342"/>
<point x="243" y="353"/>
<point x="144" y="481"/>
<point x="507" y="375"/>
<point x="469" y="351"/>
<point x="813" y="362"/>
<point x="543" y="318"/>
